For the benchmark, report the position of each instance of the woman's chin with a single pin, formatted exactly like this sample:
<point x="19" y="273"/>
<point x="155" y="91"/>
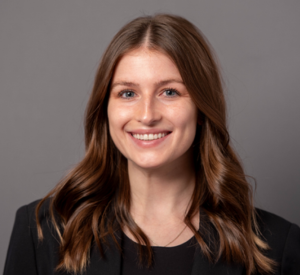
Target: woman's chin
<point x="148" y="164"/>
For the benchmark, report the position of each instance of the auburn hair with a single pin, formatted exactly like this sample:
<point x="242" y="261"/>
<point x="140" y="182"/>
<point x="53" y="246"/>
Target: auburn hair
<point x="93" y="200"/>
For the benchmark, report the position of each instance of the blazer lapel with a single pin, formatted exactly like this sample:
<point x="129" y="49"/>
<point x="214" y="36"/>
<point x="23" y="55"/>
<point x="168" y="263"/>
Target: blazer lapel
<point x="111" y="264"/>
<point x="202" y="266"/>
<point x="201" y="263"/>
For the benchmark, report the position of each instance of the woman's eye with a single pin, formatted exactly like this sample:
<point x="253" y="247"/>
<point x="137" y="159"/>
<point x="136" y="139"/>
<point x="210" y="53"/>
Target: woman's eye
<point x="171" y="92"/>
<point x="127" y="94"/>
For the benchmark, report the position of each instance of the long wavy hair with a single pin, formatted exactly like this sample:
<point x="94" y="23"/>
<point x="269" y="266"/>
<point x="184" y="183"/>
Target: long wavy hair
<point x="93" y="200"/>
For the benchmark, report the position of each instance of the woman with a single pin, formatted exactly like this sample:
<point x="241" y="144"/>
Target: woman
<point x="159" y="190"/>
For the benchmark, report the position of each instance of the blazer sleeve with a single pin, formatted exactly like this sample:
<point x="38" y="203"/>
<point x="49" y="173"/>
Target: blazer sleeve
<point x="291" y="255"/>
<point x="21" y="259"/>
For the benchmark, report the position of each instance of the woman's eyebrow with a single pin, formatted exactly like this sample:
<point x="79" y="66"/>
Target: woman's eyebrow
<point x="156" y="84"/>
<point x="123" y="83"/>
<point x="168" y="81"/>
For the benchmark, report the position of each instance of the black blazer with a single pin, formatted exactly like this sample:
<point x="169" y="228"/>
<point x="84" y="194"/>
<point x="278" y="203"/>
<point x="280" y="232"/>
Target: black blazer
<point x="27" y="255"/>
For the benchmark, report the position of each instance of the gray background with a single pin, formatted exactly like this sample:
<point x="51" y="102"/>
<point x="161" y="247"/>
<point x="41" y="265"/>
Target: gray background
<point x="49" y="52"/>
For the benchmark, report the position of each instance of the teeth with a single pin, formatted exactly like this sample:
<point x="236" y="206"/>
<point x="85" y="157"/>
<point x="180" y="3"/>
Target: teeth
<point x="150" y="136"/>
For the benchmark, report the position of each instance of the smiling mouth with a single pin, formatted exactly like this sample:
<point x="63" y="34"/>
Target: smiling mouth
<point x="150" y="136"/>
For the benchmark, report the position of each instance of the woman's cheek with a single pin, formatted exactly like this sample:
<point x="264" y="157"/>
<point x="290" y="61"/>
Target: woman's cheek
<point x="118" y="115"/>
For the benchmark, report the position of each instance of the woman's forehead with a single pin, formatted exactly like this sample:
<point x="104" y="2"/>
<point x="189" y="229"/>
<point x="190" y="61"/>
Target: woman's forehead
<point x="145" y="64"/>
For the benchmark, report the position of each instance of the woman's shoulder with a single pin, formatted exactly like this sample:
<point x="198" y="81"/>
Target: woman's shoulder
<point x="26" y="251"/>
<point x="26" y="218"/>
<point x="32" y="205"/>
<point x="283" y="238"/>
<point x="28" y="212"/>
<point x="272" y="225"/>
<point x="270" y="221"/>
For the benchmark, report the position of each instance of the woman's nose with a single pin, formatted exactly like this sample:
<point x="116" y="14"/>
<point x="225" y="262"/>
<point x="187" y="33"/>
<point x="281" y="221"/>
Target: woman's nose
<point x="148" y="111"/>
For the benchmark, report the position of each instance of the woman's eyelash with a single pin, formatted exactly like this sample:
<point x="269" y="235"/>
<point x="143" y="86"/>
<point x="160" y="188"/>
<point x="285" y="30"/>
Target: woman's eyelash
<point x="124" y="92"/>
<point x="172" y="90"/>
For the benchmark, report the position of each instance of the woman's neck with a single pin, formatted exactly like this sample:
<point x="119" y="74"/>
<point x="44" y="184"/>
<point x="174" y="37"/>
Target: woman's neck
<point x="161" y="195"/>
<point x="160" y="199"/>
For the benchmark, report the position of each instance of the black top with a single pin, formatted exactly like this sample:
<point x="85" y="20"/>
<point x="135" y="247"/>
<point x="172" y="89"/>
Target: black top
<point x="28" y="256"/>
<point x="177" y="260"/>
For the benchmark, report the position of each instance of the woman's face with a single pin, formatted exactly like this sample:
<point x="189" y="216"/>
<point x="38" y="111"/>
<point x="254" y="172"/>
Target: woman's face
<point x="152" y="119"/>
